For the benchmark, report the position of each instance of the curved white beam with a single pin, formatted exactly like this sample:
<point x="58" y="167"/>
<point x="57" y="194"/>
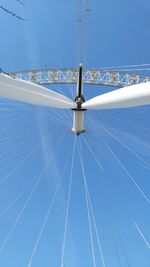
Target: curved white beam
<point x="90" y="76"/>
<point x="131" y="96"/>
<point x="32" y="93"/>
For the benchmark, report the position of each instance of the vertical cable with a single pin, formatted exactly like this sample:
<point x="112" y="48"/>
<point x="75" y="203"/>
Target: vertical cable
<point x="87" y="204"/>
<point x="51" y="204"/>
<point x="92" y="212"/>
<point x="96" y="230"/>
<point x="116" y="247"/>
<point x="123" y="248"/>
<point x="79" y="22"/>
<point x="68" y="205"/>
<point x="86" y="30"/>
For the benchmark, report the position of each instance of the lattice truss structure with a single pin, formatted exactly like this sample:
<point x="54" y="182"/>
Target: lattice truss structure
<point x="90" y="76"/>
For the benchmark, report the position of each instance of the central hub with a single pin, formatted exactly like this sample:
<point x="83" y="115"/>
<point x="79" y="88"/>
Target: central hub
<point x="79" y="100"/>
<point x="78" y="116"/>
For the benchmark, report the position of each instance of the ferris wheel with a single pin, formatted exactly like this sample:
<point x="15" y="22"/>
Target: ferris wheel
<point x="32" y="87"/>
<point x="135" y="90"/>
<point x="28" y="87"/>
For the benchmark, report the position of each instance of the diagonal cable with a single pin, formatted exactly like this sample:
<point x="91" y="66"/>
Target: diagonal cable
<point x="48" y="213"/>
<point x="68" y="205"/>
<point x="87" y="204"/>
<point x="30" y="195"/>
<point x="128" y="174"/>
<point x="141" y="234"/>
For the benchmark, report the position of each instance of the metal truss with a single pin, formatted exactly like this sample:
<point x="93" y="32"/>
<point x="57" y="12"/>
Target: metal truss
<point x="90" y="76"/>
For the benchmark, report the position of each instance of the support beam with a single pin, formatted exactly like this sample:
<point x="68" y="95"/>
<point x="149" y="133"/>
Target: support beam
<point x="80" y="85"/>
<point x="89" y="76"/>
<point x="78" y="113"/>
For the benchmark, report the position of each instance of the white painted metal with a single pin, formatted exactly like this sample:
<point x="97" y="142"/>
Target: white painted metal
<point x="32" y="93"/>
<point x="90" y="76"/>
<point x="131" y="96"/>
<point x="78" y="122"/>
<point x="136" y="92"/>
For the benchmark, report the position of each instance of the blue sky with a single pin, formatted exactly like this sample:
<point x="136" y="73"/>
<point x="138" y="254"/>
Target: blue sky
<point x="115" y="147"/>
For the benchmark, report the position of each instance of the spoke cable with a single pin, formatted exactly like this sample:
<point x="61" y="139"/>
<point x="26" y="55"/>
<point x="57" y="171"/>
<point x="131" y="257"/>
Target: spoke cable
<point x="48" y="213"/>
<point x="86" y="30"/>
<point x="141" y="234"/>
<point x="68" y="205"/>
<point x="124" y="145"/>
<point x="117" y="253"/>
<point x="39" y="178"/>
<point x="93" y="154"/>
<point x="25" y="158"/>
<point x="92" y="212"/>
<point x="79" y="23"/>
<point x="87" y="203"/>
<point x="128" y="174"/>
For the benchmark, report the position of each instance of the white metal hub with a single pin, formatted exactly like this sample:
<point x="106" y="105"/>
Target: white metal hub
<point x="78" y="122"/>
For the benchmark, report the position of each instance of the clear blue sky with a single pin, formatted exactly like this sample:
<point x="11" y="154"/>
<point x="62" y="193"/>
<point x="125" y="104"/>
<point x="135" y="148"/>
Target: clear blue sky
<point x="120" y="140"/>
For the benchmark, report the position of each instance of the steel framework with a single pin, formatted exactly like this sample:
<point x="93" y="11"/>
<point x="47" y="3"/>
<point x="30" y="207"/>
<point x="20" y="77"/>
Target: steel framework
<point x="90" y="76"/>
